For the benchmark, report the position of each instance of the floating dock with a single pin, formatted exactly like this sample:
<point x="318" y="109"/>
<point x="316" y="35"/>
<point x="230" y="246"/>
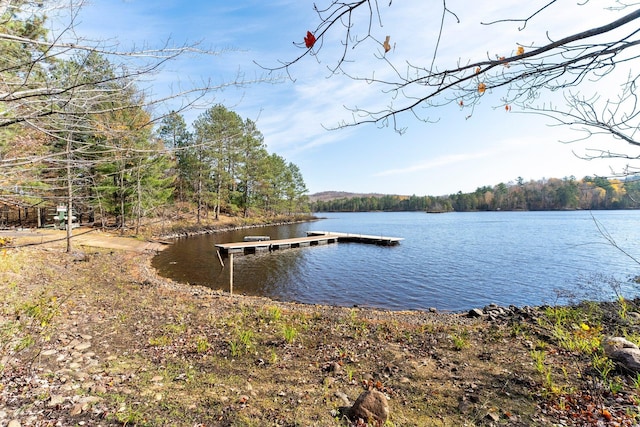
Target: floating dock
<point x="359" y="238"/>
<point x="313" y="238"/>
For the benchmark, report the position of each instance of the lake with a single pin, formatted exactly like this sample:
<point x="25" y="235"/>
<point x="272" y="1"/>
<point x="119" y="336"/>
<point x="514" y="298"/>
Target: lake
<point x="448" y="261"/>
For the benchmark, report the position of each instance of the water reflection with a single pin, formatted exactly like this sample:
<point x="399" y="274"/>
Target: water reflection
<point x="449" y="261"/>
<point x="195" y="260"/>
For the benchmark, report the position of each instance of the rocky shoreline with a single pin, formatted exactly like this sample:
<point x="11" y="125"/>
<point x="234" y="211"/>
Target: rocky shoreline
<point x="200" y="230"/>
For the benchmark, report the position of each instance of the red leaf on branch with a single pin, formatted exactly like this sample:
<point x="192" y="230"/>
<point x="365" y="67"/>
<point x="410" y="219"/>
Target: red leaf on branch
<point x="309" y="40"/>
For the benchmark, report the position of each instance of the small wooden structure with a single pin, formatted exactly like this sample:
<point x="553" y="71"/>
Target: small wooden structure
<point x="313" y="238"/>
<point x="272" y="245"/>
<point x="256" y="238"/>
<point x="16" y="213"/>
<point x="360" y="238"/>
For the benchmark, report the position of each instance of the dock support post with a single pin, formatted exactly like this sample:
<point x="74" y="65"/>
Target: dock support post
<point x="220" y="259"/>
<point x="231" y="273"/>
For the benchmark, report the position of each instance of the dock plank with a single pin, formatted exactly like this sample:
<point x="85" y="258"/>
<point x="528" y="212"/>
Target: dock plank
<point x="313" y="238"/>
<point x="250" y="247"/>
<point x="365" y="238"/>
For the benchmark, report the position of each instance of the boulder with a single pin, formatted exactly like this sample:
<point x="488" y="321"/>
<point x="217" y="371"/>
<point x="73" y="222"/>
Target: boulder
<point x="371" y="406"/>
<point x="475" y="312"/>
<point x="624" y="353"/>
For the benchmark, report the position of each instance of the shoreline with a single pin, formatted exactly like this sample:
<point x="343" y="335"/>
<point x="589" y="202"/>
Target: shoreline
<point x="86" y="237"/>
<point x="214" y="230"/>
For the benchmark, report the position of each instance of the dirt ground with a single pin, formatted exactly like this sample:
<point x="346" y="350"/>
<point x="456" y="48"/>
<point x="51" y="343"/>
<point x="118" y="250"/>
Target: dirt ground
<point x="96" y="338"/>
<point x="83" y="238"/>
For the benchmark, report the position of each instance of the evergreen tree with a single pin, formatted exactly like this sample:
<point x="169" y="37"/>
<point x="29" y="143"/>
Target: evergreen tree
<point x="178" y="140"/>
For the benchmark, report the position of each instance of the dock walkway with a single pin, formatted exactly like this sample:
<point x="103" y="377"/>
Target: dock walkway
<point x="313" y="238"/>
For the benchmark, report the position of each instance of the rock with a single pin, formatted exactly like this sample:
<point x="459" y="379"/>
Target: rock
<point x="612" y="344"/>
<point x="475" y="312"/>
<point x="14" y="423"/>
<point x="492" y="417"/>
<point x="624" y="353"/>
<point x="334" y="367"/>
<point x="371" y="406"/>
<point x="491" y="307"/>
<point x="633" y="316"/>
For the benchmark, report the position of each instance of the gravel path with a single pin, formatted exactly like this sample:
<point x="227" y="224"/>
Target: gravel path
<point x="82" y="237"/>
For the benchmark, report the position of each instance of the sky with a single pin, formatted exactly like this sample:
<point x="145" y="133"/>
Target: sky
<point x="294" y="113"/>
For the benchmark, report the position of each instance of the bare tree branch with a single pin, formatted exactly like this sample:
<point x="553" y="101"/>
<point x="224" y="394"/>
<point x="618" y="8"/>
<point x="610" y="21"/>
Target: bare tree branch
<point x="557" y="65"/>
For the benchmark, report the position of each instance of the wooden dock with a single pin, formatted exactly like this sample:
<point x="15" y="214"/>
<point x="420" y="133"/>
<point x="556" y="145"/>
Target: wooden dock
<point x="313" y="238"/>
<point x="359" y="238"/>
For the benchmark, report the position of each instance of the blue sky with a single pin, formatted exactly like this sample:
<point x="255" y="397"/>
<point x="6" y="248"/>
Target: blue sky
<point x="453" y="154"/>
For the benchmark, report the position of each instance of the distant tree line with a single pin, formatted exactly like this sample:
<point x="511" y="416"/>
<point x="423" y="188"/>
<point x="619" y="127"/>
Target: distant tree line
<point x="545" y="194"/>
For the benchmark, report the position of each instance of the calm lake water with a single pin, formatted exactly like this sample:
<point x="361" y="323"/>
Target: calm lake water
<point x="451" y="261"/>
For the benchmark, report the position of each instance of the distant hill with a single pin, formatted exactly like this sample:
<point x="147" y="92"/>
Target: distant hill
<point x="326" y="196"/>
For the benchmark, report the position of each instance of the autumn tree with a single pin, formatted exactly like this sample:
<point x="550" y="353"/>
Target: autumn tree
<point x="528" y="73"/>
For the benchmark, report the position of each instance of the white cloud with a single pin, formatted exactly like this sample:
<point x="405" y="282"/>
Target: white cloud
<point x="434" y="163"/>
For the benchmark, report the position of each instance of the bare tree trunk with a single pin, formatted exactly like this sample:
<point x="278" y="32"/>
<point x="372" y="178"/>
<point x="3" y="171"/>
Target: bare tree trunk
<point x="69" y="195"/>
<point x="122" y="193"/>
<point x="139" y="202"/>
<point x="199" y="200"/>
<point x="122" y="216"/>
<point x="218" y="201"/>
